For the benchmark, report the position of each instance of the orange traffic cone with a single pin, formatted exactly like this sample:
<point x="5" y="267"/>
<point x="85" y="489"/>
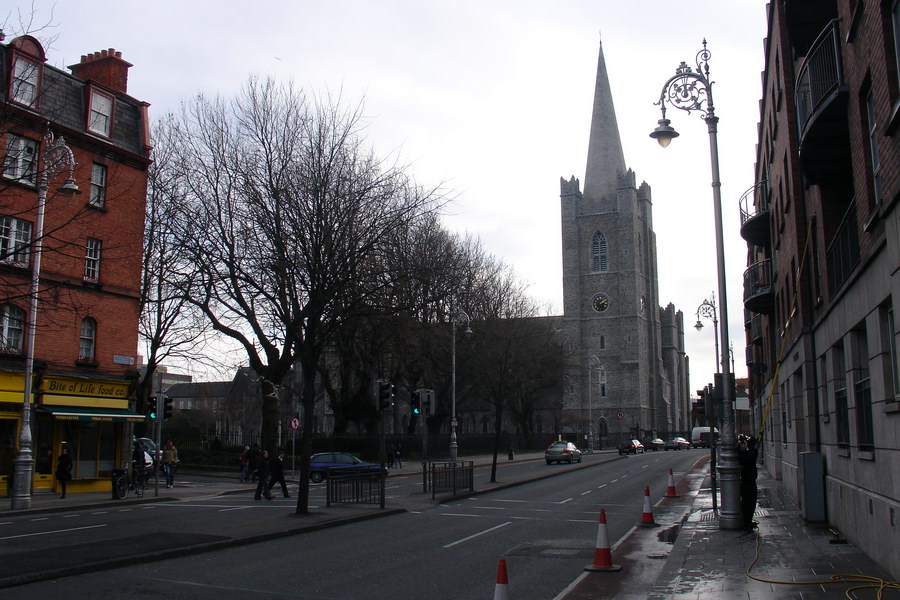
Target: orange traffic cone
<point x="670" y="491"/>
<point x="647" y="516"/>
<point x="500" y="591"/>
<point x="602" y="553"/>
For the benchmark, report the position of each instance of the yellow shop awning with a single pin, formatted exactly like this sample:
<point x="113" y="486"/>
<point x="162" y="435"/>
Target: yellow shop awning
<point x="80" y="413"/>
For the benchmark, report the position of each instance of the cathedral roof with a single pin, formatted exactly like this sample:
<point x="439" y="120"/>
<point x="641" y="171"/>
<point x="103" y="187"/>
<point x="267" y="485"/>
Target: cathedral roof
<point x="605" y="157"/>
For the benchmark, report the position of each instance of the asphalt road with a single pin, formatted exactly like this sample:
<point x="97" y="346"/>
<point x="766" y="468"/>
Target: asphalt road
<point x="545" y="530"/>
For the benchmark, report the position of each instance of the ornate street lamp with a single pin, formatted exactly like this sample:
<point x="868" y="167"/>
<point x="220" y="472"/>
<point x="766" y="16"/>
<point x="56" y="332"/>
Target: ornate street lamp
<point x="708" y="309"/>
<point x="690" y="90"/>
<point x="57" y="158"/>
<point x="457" y="318"/>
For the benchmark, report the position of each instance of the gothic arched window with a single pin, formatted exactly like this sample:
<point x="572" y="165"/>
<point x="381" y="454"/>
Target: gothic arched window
<point x="603" y="342"/>
<point x="599" y="257"/>
<point x="603" y="383"/>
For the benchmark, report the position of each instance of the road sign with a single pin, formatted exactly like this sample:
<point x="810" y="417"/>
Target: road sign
<point x="295" y="423"/>
<point x="453" y="420"/>
<point x="620" y="414"/>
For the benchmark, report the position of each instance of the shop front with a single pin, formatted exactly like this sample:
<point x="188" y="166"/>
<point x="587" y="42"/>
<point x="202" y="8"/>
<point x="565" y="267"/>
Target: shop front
<point x="90" y="417"/>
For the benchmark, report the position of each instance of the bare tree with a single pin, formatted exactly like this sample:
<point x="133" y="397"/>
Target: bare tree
<point x="169" y="327"/>
<point x="287" y="221"/>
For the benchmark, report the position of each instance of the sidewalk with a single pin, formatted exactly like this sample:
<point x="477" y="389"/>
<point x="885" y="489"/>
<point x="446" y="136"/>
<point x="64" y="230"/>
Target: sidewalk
<point x="690" y="558"/>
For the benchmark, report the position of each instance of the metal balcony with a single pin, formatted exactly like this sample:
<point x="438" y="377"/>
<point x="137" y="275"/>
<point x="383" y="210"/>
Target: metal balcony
<point x="759" y="288"/>
<point x="842" y="254"/>
<point x="821" y="101"/>
<point x="754" y="203"/>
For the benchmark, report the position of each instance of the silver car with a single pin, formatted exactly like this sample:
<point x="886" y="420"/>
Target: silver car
<point x="562" y="452"/>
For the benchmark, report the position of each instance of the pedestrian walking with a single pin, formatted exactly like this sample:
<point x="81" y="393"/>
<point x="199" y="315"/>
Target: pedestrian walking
<point x="390" y="457"/>
<point x="262" y="475"/>
<point x="747" y="455"/>
<point x="276" y="473"/>
<point x="397" y="455"/>
<point x="63" y="470"/>
<point x="169" y="460"/>
<point x="252" y="458"/>
<point x="244" y="460"/>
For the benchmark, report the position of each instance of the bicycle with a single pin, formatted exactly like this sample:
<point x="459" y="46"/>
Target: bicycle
<point x="122" y="483"/>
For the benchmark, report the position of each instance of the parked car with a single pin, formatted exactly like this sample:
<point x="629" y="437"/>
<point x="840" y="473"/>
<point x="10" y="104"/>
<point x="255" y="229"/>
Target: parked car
<point x="654" y="444"/>
<point x="319" y="464"/>
<point x="631" y="447"/>
<point x="677" y="443"/>
<point x="562" y="452"/>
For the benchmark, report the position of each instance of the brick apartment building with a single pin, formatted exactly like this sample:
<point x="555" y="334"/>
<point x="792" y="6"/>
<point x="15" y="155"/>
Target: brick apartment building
<point x="823" y="276"/>
<point x="86" y="331"/>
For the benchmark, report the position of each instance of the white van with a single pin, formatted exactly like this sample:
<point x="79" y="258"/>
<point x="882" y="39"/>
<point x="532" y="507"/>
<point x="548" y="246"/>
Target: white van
<point x="700" y="436"/>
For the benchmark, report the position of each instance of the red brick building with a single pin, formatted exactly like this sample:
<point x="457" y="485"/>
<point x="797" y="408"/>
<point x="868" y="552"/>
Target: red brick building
<point x="86" y="330"/>
<point x="823" y="276"/>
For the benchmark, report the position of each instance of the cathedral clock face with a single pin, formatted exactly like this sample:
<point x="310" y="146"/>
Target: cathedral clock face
<point x="600" y="302"/>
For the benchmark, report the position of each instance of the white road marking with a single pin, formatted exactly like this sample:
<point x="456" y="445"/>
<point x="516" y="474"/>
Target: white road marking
<point x="501" y="500"/>
<point x="38" y="519"/>
<point x="71" y="516"/>
<point x="586" y="493"/>
<point x="564" y="501"/>
<point x="459" y="515"/>
<point x="491" y="507"/>
<point x="600" y="487"/>
<point x="12" y="537"/>
<point x="475" y="535"/>
<point x="100" y="512"/>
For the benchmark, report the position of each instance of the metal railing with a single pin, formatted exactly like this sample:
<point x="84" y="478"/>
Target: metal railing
<point x="842" y="254"/>
<point x="352" y="485"/>
<point x="820" y="75"/>
<point x="758" y="279"/>
<point x="452" y="476"/>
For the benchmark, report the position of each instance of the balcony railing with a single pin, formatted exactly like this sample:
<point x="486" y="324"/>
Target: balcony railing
<point x="759" y="291"/>
<point x="842" y="254"/>
<point x="820" y="76"/>
<point x="754" y="204"/>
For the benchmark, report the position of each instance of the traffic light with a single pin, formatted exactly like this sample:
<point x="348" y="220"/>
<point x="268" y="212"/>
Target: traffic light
<point x="385" y="394"/>
<point x="415" y="403"/>
<point x="167" y="407"/>
<point x="151" y="411"/>
<point x="428" y="403"/>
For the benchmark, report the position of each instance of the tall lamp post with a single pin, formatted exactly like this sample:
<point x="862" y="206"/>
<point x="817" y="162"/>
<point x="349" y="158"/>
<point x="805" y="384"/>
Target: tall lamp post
<point x="692" y="90"/>
<point x="57" y="158"/>
<point x="708" y="309"/>
<point x="591" y="400"/>
<point x="457" y="318"/>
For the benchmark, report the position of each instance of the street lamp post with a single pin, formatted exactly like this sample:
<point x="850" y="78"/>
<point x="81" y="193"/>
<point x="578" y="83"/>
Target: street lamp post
<point x="591" y="401"/>
<point x="57" y="158"/>
<point x="692" y="90"/>
<point x="457" y="318"/>
<point x="708" y="309"/>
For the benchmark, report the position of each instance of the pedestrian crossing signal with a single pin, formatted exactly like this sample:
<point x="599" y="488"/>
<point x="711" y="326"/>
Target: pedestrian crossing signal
<point x="167" y="407"/>
<point x="415" y="403"/>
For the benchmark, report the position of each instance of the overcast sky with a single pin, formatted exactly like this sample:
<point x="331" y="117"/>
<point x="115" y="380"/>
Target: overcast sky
<point x="492" y="97"/>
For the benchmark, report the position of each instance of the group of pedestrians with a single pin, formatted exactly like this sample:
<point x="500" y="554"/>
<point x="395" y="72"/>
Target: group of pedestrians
<point x="257" y="466"/>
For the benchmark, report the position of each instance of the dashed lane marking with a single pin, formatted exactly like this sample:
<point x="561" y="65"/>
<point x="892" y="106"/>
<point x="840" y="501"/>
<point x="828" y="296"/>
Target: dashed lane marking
<point x="475" y="535"/>
<point x="24" y="535"/>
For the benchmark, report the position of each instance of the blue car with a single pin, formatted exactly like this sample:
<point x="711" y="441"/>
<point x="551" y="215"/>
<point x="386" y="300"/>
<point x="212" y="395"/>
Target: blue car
<point x="319" y="464"/>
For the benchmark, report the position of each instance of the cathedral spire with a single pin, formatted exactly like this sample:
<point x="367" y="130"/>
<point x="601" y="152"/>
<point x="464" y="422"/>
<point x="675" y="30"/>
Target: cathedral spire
<point x="605" y="158"/>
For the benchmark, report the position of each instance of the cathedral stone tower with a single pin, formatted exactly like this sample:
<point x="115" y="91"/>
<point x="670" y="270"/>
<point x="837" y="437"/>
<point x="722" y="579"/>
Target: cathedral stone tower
<point x="616" y="377"/>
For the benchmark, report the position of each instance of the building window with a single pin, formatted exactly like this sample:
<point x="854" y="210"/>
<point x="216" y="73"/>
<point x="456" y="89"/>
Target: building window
<point x="15" y="241"/>
<point x="92" y="260"/>
<point x="100" y="114"/>
<point x="603" y="383"/>
<point x="862" y="389"/>
<point x="893" y="367"/>
<point x="603" y="342"/>
<point x="12" y="328"/>
<point x="20" y="161"/>
<point x="599" y="257"/>
<point x="88" y="340"/>
<point x="25" y="79"/>
<point x="98" y="185"/>
<point x="895" y="17"/>
<point x="841" y="407"/>
<point x="873" y="146"/>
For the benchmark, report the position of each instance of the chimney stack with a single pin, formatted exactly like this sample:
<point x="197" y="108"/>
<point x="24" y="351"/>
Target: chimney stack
<point x="106" y="67"/>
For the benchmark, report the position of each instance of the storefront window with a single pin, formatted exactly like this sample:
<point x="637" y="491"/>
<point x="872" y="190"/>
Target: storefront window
<point x="43" y="454"/>
<point x="92" y="445"/>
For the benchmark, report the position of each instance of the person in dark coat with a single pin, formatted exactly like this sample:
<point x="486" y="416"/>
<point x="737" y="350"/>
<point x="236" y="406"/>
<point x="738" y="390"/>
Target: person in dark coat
<point x="276" y="473"/>
<point x="747" y="455"/>
<point x="63" y="470"/>
<point x="253" y="457"/>
<point x="262" y="476"/>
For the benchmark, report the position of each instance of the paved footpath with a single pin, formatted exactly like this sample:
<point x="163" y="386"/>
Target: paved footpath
<point x="686" y="557"/>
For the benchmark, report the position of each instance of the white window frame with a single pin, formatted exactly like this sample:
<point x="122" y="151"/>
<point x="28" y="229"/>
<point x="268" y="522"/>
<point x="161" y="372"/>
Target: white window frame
<point x="874" y="153"/>
<point x="15" y="241"/>
<point x="20" y="161"/>
<point x="25" y="82"/>
<point x="87" y="343"/>
<point x="100" y="117"/>
<point x="93" y="248"/>
<point x="98" y="184"/>
<point x="12" y="323"/>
